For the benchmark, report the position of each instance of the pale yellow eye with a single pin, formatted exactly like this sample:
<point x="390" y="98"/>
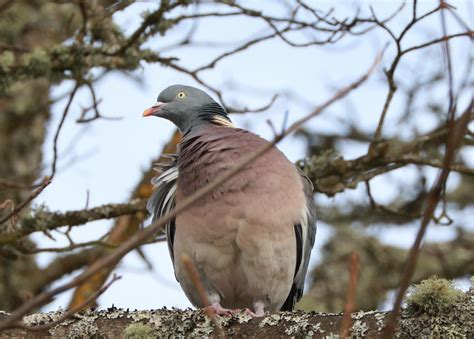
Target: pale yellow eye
<point x="181" y="95"/>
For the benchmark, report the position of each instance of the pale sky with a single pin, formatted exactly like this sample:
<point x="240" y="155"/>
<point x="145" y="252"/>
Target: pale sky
<point x="106" y="158"/>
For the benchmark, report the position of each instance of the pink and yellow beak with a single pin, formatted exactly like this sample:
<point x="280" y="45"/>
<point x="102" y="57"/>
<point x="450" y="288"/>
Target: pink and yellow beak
<point x="153" y="110"/>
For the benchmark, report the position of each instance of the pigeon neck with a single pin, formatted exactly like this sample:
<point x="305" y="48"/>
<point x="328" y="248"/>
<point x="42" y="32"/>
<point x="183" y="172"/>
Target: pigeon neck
<point x="214" y="114"/>
<point x="209" y="114"/>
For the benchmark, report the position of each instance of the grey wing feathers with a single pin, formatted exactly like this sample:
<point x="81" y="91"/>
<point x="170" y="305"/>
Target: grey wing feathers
<point x="162" y="200"/>
<point x="305" y="233"/>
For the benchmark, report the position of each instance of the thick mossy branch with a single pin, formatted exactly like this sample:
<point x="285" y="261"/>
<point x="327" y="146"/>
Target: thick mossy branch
<point x="459" y="321"/>
<point x="98" y="43"/>
<point x="78" y="59"/>
<point x="43" y="220"/>
<point x="332" y="174"/>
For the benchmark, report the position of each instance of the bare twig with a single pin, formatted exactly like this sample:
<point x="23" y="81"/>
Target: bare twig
<point x="455" y="136"/>
<point x="93" y="107"/>
<point x="9" y="203"/>
<point x="13" y="185"/>
<point x="65" y="264"/>
<point x="69" y="248"/>
<point x="125" y="226"/>
<point x="194" y="275"/>
<point x="46" y="181"/>
<point x="439" y="40"/>
<point x="386" y="209"/>
<point x="400" y="53"/>
<point x="71" y="312"/>
<point x="351" y="294"/>
<point x="58" y="130"/>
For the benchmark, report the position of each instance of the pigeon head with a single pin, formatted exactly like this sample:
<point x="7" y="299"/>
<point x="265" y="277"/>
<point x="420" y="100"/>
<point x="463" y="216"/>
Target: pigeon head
<point x="188" y="108"/>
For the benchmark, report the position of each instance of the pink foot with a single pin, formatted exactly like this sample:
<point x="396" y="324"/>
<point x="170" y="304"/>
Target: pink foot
<point x="259" y="313"/>
<point x="216" y="308"/>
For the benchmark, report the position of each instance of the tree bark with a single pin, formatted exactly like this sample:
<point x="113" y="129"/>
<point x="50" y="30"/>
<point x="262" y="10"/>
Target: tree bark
<point x="119" y="323"/>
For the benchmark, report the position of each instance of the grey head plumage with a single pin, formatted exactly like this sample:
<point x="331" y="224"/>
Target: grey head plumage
<point x="188" y="108"/>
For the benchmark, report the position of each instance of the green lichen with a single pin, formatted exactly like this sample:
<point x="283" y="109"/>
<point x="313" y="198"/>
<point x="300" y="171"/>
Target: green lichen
<point x="38" y="62"/>
<point x="436" y="309"/>
<point x="380" y="321"/>
<point x="326" y="170"/>
<point x="296" y="324"/>
<point x="138" y="331"/>
<point x="359" y="329"/>
<point x="179" y="323"/>
<point x="38" y="219"/>
<point x="7" y="59"/>
<point x="165" y="323"/>
<point x="433" y="296"/>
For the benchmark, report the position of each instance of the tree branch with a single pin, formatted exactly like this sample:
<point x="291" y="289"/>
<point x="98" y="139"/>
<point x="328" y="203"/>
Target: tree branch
<point x="41" y="220"/>
<point x="163" y="323"/>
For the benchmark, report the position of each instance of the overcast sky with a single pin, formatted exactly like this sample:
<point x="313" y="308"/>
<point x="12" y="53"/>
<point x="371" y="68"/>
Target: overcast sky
<point x="106" y="158"/>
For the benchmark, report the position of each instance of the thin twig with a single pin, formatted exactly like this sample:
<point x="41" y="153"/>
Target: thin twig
<point x="93" y="107"/>
<point x="455" y="136"/>
<point x="46" y="181"/>
<point x="400" y="53"/>
<point x="388" y="210"/>
<point x="69" y="248"/>
<point x="10" y="184"/>
<point x="58" y="130"/>
<point x="439" y="40"/>
<point x="194" y="275"/>
<point x="351" y="294"/>
<point x="69" y="313"/>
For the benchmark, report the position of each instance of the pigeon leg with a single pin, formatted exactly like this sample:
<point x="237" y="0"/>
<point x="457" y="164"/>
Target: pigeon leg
<point x="259" y="308"/>
<point x="216" y="308"/>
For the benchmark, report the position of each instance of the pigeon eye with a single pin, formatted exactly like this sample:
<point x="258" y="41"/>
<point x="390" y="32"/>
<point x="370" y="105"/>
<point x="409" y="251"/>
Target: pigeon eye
<point x="181" y="95"/>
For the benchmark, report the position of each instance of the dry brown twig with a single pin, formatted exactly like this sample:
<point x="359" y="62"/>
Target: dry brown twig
<point x="454" y="139"/>
<point x="71" y="312"/>
<point x="46" y="181"/>
<point x="351" y="294"/>
<point x="94" y="107"/>
<point x="455" y="136"/>
<point x="60" y="125"/>
<point x="140" y="237"/>
<point x="13" y="185"/>
<point x="194" y="275"/>
<point x="432" y="200"/>
<point x="9" y="203"/>
<point x="400" y="53"/>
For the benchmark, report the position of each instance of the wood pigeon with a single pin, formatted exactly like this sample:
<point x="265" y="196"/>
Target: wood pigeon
<point x="250" y="239"/>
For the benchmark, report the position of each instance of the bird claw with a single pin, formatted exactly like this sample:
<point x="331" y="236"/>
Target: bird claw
<point x="217" y="309"/>
<point x="258" y="314"/>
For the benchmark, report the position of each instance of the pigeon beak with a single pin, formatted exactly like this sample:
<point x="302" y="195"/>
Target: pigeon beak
<point x="153" y="110"/>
